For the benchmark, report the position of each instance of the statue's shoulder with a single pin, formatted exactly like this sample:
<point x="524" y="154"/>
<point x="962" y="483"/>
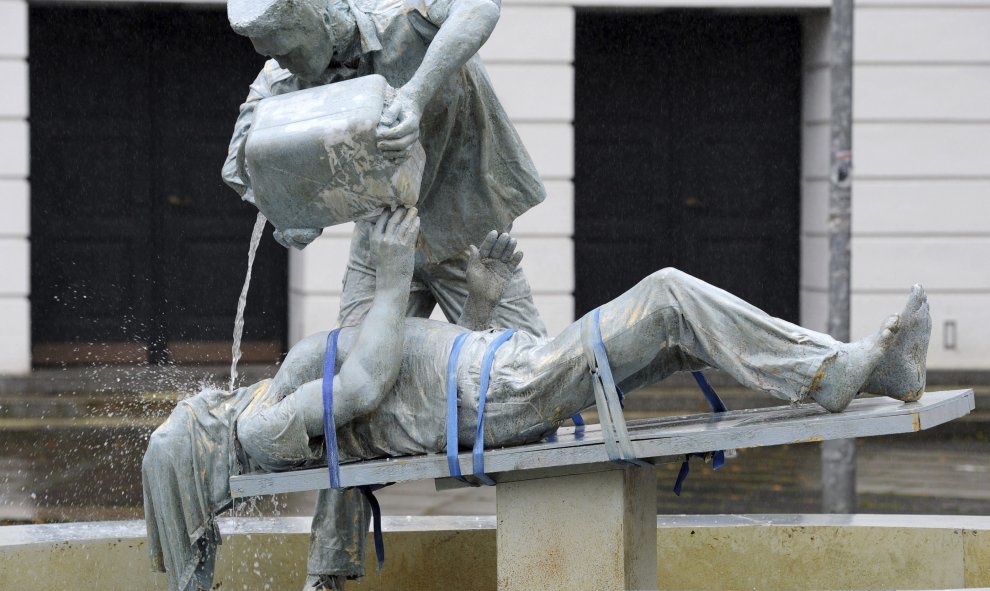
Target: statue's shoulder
<point x="274" y="79"/>
<point x="274" y="73"/>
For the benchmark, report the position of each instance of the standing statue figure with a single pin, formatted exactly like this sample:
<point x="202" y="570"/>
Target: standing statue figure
<point x="478" y="176"/>
<point x="390" y="375"/>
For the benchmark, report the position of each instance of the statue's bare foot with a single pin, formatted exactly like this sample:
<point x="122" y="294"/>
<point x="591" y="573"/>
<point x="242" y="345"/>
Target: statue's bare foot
<point x="842" y="376"/>
<point x="900" y="373"/>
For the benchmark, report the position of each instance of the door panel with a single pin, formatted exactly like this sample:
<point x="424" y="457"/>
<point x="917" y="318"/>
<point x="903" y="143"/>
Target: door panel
<point x="137" y="243"/>
<point x="687" y="130"/>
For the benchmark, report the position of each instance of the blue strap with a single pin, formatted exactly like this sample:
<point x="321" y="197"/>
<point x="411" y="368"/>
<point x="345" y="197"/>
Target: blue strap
<point x="368" y="491"/>
<point x="713" y="400"/>
<point x="618" y="447"/>
<point x="452" y="463"/>
<point x="333" y="456"/>
<point x="578" y="426"/>
<point x="478" y="460"/>
<point x="329" y="430"/>
<point x="718" y="457"/>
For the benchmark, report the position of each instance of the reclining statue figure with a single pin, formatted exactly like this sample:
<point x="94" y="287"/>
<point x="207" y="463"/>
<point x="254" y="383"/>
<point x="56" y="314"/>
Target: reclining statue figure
<point x="390" y="375"/>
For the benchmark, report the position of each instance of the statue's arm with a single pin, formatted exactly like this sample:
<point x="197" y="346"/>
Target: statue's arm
<point x="466" y="26"/>
<point x="489" y="270"/>
<point x="372" y="365"/>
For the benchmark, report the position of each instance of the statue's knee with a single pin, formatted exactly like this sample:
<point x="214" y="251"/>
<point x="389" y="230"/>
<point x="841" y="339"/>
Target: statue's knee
<point x="248" y="433"/>
<point x="667" y="277"/>
<point x="303" y="351"/>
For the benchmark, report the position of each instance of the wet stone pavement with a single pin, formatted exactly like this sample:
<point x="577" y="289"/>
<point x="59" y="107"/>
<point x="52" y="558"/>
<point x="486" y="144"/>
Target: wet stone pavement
<point x="84" y="465"/>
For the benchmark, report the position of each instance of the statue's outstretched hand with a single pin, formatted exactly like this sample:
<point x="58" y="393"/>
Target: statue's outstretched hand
<point x="393" y="245"/>
<point x="490" y="266"/>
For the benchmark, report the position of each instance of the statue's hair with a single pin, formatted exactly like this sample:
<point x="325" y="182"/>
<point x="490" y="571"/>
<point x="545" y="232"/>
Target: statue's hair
<point x="256" y="18"/>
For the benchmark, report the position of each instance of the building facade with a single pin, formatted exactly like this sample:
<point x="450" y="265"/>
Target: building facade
<point x="921" y="144"/>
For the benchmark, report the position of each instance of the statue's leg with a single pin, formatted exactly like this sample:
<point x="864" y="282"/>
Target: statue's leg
<point x="303" y="364"/>
<point x="339" y="534"/>
<point x="710" y="326"/>
<point x="275" y="436"/>
<point x="448" y="283"/>
<point x="202" y="578"/>
<point x="672" y="322"/>
<point x="172" y="514"/>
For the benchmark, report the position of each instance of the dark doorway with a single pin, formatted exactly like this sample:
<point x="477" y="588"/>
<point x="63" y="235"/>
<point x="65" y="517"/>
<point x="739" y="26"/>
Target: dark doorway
<point x="138" y="248"/>
<point x="687" y="130"/>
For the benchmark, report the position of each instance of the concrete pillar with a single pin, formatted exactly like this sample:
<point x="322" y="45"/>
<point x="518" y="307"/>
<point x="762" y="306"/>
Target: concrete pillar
<point x="581" y="531"/>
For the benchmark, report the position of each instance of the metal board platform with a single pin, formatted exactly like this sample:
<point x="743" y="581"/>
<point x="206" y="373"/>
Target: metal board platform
<point x="658" y="440"/>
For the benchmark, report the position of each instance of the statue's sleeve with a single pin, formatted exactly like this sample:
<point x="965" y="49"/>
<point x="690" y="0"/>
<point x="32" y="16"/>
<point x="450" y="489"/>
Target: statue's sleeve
<point x="436" y="11"/>
<point x="234" y="173"/>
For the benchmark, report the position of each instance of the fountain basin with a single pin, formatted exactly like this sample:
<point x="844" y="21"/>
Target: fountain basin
<point x="694" y="552"/>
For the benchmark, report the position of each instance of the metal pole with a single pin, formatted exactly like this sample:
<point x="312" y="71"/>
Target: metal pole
<point x="839" y="457"/>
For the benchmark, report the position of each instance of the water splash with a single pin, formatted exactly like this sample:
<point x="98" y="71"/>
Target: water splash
<point x="235" y="350"/>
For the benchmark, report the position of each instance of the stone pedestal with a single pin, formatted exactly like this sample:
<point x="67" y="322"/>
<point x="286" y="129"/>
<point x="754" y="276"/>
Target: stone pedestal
<point x="594" y="530"/>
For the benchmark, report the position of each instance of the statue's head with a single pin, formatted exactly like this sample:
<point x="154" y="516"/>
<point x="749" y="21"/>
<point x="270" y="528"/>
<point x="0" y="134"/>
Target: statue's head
<point x="300" y="34"/>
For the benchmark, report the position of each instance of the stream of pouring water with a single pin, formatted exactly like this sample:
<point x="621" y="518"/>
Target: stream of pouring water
<point x="235" y="350"/>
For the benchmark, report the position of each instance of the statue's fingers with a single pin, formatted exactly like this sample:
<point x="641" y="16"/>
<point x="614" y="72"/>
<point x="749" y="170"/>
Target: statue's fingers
<point x="411" y="231"/>
<point x="500" y="244"/>
<point x="509" y="249"/>
<point x="406" y="223"/>
<point x="394" y="219"/>
<point x="516" y="259"/>
<point x="390" y="115"/>
<point x="488" y="243"/>
<point x="403" y="125"/>
<point x="473" y="253"/>
<point x="397" y="142"/>
<point x="381" y="221"/>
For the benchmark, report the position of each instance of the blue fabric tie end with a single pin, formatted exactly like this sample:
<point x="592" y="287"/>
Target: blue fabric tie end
<point x="682" y="475"/>
<point x="376" y="517"/>
<point x="718" y="457"/>
<point x="718" y="460"/>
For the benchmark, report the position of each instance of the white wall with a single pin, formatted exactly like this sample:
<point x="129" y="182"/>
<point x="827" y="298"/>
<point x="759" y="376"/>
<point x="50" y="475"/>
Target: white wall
<point x="921" y="152"/>
<point x="15" y="267"/>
